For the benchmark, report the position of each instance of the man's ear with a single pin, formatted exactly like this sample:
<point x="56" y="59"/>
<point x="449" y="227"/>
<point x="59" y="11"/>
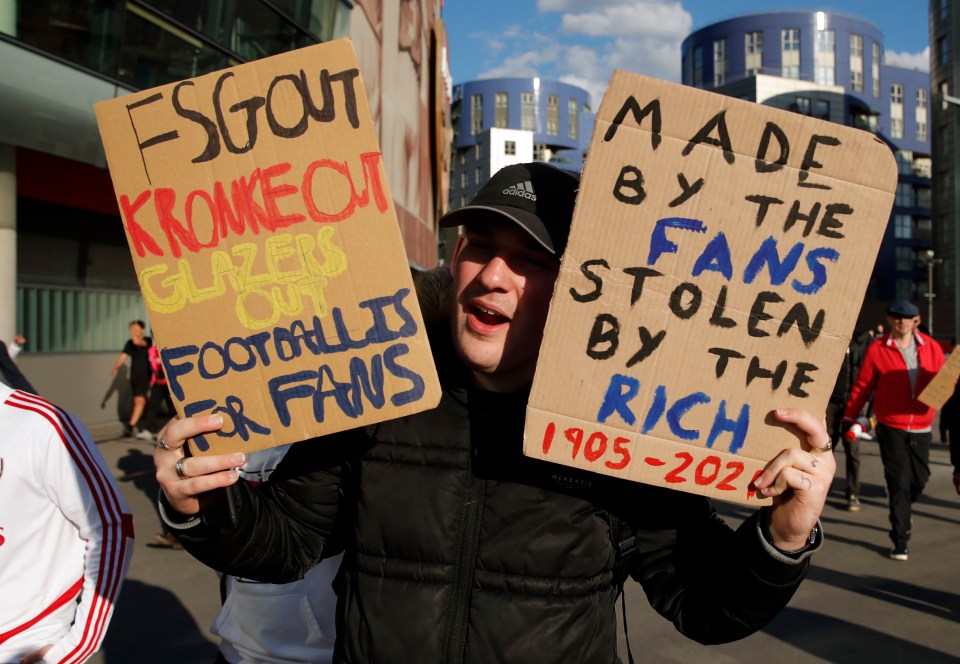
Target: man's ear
<point x="462" y="240"/>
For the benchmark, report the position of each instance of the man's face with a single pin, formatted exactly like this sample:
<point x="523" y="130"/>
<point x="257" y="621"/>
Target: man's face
<point x="136" y="332"/>
<point x="503" y="282"/>
<point x="901" y="325"/>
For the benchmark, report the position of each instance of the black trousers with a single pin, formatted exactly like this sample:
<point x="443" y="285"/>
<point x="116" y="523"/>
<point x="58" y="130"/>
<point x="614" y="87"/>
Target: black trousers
<point x="851" y="448"/>
<point x="906" y="469"/>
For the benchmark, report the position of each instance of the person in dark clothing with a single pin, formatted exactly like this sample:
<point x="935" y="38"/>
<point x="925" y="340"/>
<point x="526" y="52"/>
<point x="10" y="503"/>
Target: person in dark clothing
<point x="950" y="425"/>
<point x="457" y="547"/>
<point x="137" y="349"/>
<point x="9" y="371"/>
<point x="835" y="424"/>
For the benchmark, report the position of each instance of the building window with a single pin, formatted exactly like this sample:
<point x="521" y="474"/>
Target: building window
<point x="802" y="105"/>
<point x="528" y="111"/>
<point x="573" y="119"/>
<point x="510" y="148"/>
<point x="896" y="127"/>
<point x="896" y="93"/>
<point x="856" y="80"/>
<point x="906" y="259"/>
<point x="476" y="175"/>
<point x="905" y="289"/>
<point x="904" y="162"/>
<point x="553" y="115"/>
<point x="856" y="62"/>
<point x="825" y="66"/>
<point x="896" y="110"/>
<point x="476" y="114"/>
<point x="921" y="114"/>
<point x="753" y="50"/>
<point x="719" y="62"/>
<point x="698" y="67"/>
<point x="875" y="68"/>
<point x="943" y="48"/>
<point x="822" y="109"/>
<point x="539" y="152"/>
<point x="903" y="226"/>
<point x="790" y="53"/>
<point x="476" y="151"/>
<point x="904" y="197"/>
<point x="463" y="179"/>
<point x="944" y="9"/>
<point x="501" y="110"/>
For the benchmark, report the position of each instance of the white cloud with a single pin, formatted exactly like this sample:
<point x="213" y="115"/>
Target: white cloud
<point x="642" y="36"/>
<point x="919" y="61"/>
<point x="661" y="21"/>
<point x="536" y="61"/>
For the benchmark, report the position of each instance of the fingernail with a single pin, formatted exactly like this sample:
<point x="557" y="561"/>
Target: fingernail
<point x="781" y="411"/>
<point x="238" y="459"/>
<point x="216" y="420"/>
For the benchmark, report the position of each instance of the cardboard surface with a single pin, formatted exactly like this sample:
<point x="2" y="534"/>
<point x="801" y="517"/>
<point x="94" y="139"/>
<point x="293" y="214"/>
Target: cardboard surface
<point x="941" y="387"/>
<point x="718" y="258"/>
<point x="268" y="251"/>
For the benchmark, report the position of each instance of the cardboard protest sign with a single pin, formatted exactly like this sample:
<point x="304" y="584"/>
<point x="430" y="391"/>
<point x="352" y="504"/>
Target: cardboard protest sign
<point x="268" y="251"/>
<point x="717" y="260"/>
<point x="941" y="387"/>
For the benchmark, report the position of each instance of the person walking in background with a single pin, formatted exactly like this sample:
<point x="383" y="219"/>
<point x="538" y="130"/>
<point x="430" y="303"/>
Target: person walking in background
<point x="950" y="431"/>
<point x="835" y="411"/>
<point x="896" y="368"/>
<point x="159" y="396"/>
<point x="137" y="349"/>
<point x="10" y="373"/>
<point x="277" y="623"/>
<point x="66" y="535"/>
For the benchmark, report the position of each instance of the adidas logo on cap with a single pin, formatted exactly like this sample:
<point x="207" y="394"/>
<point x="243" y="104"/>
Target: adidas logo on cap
<point x="522" y="189"/>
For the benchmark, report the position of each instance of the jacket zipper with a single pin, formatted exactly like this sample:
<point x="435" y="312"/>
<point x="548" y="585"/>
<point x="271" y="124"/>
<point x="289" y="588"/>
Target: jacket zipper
<point x="467" y="546"/>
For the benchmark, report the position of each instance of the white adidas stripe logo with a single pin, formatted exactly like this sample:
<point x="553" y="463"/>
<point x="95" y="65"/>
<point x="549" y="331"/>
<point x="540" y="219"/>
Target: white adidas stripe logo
<point x="523" y="189"/>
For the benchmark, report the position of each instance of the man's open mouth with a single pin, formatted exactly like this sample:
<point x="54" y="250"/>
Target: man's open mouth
<point x="488" y="316"/>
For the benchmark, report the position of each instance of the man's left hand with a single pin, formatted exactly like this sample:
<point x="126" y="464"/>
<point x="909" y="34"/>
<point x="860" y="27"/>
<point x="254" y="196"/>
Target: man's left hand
<point x="798" y="480"/>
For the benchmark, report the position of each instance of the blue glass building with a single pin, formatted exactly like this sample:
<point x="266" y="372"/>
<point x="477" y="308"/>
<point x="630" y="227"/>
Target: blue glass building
<point x="830" y="65"/>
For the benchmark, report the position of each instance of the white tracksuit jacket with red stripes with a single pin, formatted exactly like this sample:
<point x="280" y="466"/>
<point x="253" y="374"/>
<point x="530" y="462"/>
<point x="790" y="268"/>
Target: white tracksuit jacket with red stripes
<point x="66" y="534"/>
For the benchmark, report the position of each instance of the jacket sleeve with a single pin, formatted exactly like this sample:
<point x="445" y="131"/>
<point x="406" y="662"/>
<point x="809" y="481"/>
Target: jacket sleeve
<point x="715" y="584"/>
<point x="81" y="485"/>
<point x="278" y="531"/>
<point x="865" y="383"/>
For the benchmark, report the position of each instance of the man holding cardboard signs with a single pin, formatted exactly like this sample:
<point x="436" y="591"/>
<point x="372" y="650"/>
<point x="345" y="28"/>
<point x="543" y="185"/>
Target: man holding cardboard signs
<point x="461" y="549"/>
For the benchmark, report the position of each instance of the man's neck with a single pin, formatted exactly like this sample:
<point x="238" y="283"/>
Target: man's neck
<point x="903" y="340"/>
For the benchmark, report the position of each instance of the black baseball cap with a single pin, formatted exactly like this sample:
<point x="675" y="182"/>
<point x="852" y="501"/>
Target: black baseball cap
<point x="903" y="309"/>
<point x="536" y="196"/>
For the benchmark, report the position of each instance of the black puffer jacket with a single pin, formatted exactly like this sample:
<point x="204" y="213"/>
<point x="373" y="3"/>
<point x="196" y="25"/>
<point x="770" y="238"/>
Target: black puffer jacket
<point x="460" y="549"/>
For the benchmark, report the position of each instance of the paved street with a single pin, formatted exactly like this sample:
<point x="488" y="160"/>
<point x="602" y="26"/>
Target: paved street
<point x="856" y="606"/>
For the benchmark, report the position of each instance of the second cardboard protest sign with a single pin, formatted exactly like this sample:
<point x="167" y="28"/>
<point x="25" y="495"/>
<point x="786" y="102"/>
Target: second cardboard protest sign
<point x="717" y="261"/>
<point x="268" y="251"/>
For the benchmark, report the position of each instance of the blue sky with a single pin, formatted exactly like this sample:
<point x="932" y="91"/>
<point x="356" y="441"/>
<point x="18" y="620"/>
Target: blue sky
<point x="583" y="41"/>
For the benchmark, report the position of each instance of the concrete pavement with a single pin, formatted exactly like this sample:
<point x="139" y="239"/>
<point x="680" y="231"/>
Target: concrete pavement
<point x="856" y="605"/>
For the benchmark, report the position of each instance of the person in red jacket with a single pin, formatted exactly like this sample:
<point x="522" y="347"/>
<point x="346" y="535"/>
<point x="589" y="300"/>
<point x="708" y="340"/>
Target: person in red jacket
<point x="896" y="368"/>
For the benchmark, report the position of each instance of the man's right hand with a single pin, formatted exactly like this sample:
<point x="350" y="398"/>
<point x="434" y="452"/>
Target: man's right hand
<point x="201" y="473"/>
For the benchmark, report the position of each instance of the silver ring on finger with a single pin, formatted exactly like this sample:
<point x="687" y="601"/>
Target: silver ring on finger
<point x="162" y="444"/>
<point x="821" y="450"/>
<point x="179" y="468"/>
